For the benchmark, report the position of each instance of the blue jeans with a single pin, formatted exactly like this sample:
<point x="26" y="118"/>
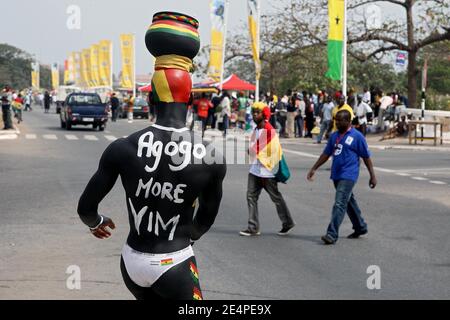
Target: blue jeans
<point x="323" y="129"/>
<point x="345" y="202"/>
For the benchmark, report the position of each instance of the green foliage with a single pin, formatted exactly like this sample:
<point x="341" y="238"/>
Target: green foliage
<point x="15" y="69"/>
<point x="304" y="69"/>
<point x="438" y="75"/>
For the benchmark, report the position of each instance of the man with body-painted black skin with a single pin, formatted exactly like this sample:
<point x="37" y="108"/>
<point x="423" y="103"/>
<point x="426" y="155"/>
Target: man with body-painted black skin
<point x="162" y="189"/>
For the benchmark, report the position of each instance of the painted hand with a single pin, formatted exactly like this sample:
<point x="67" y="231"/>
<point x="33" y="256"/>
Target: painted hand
<point x="101" y="231"/>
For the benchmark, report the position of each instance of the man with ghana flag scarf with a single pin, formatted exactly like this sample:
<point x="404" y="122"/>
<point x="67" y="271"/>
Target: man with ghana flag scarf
<point x="165" y="174"/>
<point x="267" y="169"/>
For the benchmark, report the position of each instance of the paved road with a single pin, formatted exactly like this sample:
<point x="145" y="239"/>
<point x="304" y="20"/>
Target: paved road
<point x="45" y="169"/>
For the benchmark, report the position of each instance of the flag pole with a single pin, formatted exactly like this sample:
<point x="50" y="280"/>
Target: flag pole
<point x="225" y="20"/>
<point x="258" y="29"/>
<point x="344" y="54"/>
<point x="134" y="65"/>
<point x="111" y="66"/>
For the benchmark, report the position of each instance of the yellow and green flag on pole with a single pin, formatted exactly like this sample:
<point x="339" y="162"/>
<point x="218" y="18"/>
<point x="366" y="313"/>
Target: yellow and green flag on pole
<point x="253" y="21"/>
<point x="336" y="16"/>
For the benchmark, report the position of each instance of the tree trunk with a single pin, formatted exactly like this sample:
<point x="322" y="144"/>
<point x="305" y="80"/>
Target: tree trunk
<point x="412" y="56"/>
<point x="412" y="79"/>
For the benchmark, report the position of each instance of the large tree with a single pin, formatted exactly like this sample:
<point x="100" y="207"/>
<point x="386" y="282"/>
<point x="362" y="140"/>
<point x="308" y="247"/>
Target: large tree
<point x="373" y="31"/>
<point x="15" y="68"/>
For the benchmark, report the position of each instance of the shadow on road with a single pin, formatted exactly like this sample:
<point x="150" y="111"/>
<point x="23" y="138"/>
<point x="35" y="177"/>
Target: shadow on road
<point x="234" y="232"/>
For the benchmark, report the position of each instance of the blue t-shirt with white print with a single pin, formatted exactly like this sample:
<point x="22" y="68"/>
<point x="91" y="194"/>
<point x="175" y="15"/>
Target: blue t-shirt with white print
<point x="346" y="150"/>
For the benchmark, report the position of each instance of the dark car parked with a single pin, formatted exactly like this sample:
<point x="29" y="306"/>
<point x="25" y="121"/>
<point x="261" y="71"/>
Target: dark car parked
<point x="84" y="109"/>
<point x="140" y="109"/>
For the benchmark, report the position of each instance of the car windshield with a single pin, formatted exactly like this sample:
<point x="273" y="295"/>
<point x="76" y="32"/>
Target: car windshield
<point x="139" y="102"/>
<point x="85" y="100"/>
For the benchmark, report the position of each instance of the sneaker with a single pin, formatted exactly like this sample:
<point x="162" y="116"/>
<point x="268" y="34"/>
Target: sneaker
<point x="249" y="233"/>
<point x="328" y="240"/>
<point x="356" y="234"/>
<point x="285" y="230"/>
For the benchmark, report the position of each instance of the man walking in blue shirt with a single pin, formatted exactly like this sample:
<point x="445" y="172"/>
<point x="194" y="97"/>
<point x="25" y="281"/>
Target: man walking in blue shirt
<point x="346" y="146"/>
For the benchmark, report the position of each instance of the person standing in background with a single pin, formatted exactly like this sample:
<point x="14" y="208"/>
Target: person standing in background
<point x="114" y="106"/>
<point x="46" y="102"/>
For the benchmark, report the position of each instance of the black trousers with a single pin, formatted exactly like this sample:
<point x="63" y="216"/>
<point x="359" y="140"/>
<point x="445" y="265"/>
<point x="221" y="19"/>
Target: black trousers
<point x="6" y="113"/>
<point x="255" y="185"/>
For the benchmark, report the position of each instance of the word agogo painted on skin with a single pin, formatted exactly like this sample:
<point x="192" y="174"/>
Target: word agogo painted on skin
<point x="172" y="149"/>
<point x="149" y="148"/>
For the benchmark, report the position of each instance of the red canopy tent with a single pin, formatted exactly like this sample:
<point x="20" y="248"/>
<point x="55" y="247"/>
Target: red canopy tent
<point x="146" y="88"/>
<point x="233" y="82"/>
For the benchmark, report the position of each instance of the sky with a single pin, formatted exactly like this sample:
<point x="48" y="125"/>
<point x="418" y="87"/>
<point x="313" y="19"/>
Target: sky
<point x="40" y="26"/>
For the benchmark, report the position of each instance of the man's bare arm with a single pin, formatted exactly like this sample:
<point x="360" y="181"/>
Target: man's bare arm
<point x="98" y="187"/>
<point x="373" y="179"/>
<point x="322" y="159"/>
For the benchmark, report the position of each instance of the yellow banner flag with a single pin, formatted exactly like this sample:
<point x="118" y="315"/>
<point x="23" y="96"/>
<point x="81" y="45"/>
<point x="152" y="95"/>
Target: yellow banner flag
<point x="76" y="57"/>
<point x="66" y="71"/>
<point x="253" y="21"/>
<point x="104" y="63"/>
<point x="336" y="10"/>
<point x="95" y="77"/>
<point x="35" y="75"/>
<point x="55" y="76"/>
<point x="127" y="50"/>
<point x="217" y="39"/>
<point x="86" y="67"/>
<point x="69" y="70"/>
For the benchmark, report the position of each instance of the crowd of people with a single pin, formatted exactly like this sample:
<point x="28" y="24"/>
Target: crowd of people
<point x="302" y="114"/>
<point x="14" y="102"/>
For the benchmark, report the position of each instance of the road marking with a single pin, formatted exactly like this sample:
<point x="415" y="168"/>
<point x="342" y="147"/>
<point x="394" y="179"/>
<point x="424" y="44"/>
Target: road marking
<point x="427" y="169"/>
<point x="8" y="136"/>
<point x="71" y="137"/>
<point x="384" y="170"/>
<point x="437" y="182"/>
<point x="309" y="155"/>
<point x="50" y="137"/>
<point x="30" y="136"/>
<point x="419" y="178"/>
<point x="90" y="137"/>
<point x="110" y="138"/>
<point x="303" y="154"/>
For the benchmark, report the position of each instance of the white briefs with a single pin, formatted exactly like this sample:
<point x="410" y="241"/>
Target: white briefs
<point x="145" y="268"/>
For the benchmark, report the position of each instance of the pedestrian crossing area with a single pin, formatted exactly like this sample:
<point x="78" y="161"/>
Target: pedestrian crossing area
<point x="65" y="137"/>
<point x="88" y="137"/>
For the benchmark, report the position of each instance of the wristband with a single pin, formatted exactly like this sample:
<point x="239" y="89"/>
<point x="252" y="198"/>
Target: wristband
<point x="98" y="225"/>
